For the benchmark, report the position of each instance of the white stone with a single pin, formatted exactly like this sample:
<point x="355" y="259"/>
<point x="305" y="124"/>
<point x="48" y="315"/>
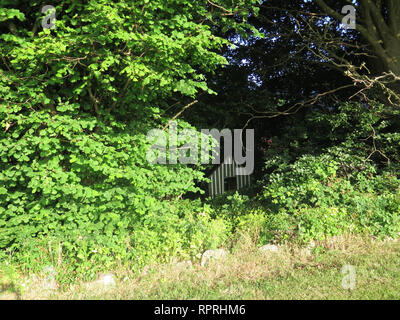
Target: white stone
<point x="108" y="280"/>
<point x="104" y="282"/>
<point x="45" y="284"/>
<point x="269" y="248"/>
<point x="212" y="254"/>
<point x="49" y="282"/>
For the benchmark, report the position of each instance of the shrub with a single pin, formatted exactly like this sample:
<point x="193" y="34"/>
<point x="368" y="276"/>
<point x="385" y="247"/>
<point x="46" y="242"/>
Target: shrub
<point x="76" y="103"/>
<point x="180" y="229"/>
<point x="322" y="201"/>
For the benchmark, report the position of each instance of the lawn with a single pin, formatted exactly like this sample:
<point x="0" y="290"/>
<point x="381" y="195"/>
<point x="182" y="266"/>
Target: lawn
<point x="291" y="273"/>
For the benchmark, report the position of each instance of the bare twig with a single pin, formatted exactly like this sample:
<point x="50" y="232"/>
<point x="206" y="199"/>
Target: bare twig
<point x="180" y="112"/>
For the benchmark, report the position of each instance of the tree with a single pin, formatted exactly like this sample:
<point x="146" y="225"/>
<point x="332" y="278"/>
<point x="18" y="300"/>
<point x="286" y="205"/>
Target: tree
<point x="379" y="25"/>
<point x="77" y="101"/>
<point x="294" y="84"/>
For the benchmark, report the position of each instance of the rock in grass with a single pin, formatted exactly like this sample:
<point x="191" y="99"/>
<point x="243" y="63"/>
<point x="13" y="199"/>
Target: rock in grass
<point x="269" y="248"/>
<point x="49" y="281"/>
<point x="104" y="282"/>
<point x="212" y="254"/>
<point x="108" y="280"/>
<point x="39" y="287"/>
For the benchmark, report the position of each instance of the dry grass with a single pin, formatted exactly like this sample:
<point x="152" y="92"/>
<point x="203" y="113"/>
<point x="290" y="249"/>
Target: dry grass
<point x="246" y="273"/>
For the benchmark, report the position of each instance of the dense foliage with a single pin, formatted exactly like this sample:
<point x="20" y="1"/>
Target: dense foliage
<point x="77" y="102"/>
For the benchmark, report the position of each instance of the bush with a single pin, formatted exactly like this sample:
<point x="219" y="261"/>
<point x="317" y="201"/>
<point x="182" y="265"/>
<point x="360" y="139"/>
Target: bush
<point x="77" y="102"/>
<point x="315" y="199"/>
<point x="181" y="229"/>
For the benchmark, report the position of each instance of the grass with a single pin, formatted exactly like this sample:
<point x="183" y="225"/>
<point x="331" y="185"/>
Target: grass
<point x="247" y="274"/>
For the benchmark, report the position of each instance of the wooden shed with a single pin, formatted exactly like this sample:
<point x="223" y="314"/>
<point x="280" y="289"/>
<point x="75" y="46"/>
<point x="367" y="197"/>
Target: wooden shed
<point x="224" y="178"/>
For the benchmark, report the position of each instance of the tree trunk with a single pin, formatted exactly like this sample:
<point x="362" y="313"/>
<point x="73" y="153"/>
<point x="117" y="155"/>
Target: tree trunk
<point x="393" y="62"/>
